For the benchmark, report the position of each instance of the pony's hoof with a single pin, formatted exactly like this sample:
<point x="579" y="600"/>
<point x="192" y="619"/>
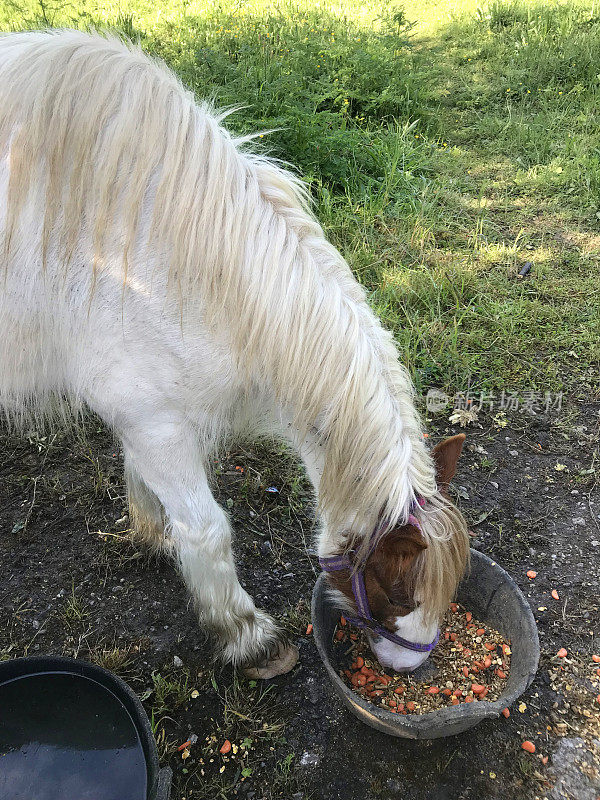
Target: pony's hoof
<point x="283" y="661"/>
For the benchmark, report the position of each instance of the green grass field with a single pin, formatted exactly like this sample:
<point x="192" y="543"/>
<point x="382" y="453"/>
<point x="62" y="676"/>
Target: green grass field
<point x="446" y="144"/>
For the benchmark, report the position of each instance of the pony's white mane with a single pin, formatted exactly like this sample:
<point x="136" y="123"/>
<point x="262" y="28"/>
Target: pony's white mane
<point x="107" y="131"/>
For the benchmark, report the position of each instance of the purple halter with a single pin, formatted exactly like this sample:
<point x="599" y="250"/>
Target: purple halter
<point x="365" y="618"/>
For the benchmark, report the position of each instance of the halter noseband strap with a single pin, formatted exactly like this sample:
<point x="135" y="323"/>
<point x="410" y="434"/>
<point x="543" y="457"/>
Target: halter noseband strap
<point x="365" y="618"/>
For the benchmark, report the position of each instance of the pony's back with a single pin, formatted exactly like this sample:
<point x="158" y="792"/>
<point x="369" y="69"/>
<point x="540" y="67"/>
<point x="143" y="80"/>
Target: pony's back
<point x="91" y="123"/>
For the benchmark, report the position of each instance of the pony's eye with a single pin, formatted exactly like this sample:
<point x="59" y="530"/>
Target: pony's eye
<point x="403" y="603"/>
<point x="398" y="596"/>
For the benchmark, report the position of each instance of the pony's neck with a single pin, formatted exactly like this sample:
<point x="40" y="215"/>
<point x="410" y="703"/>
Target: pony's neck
<point x="374" y="459"/>
<point x="316" y="344"/>
<point x="368" y="461"/>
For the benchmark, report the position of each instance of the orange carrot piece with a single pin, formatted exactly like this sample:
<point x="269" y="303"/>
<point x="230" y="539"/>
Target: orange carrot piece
<point x="528" y="746"/>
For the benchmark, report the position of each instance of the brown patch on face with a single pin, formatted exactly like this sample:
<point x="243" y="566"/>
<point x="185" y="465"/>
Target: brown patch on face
<point x="387" y="575"/>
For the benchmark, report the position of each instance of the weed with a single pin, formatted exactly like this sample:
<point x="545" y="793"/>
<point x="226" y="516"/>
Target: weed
<point x="249" y="708"/>
<point x="168" y="692"/>
<point x="114" y="659"/>
<point x="75" y="609"/>
<point x="297" y="618"/>
<point x="165" y="745"/>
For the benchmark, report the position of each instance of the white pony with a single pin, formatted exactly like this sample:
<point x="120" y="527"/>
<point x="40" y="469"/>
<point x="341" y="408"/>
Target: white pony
<point x="155" y="271"/>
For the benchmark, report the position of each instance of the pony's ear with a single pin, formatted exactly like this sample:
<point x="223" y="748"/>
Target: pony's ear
<point x="445" y="456"/>
<point x="402" y="545"/>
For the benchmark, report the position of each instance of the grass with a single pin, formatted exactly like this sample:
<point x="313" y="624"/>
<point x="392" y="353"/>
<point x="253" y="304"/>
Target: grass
<point x="445" y="145"/>
<point x="253" y="718"/>
<point x="168" y="692"/>
<point x="114" y="659"/>
<point x="75" y="609"/>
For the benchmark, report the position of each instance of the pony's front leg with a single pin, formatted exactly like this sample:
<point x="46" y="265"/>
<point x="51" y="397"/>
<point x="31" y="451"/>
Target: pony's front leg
<point x="200" y="537"/>
<point x="249" y="638"/>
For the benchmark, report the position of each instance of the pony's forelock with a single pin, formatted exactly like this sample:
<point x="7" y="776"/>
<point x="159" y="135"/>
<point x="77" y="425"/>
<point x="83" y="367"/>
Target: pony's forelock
<point x="440" y="567"/>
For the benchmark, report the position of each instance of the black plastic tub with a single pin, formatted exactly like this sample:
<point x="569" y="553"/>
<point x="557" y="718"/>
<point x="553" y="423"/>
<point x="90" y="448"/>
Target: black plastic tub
<point x="494" y="598"/>
<point x="70" y="730"/>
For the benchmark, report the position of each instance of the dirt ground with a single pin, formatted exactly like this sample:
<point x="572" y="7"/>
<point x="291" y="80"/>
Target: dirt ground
<point x="73" y="583"/>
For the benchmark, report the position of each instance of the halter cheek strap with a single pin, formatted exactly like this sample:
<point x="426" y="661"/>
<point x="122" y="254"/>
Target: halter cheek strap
<point x="365" y="618"/>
